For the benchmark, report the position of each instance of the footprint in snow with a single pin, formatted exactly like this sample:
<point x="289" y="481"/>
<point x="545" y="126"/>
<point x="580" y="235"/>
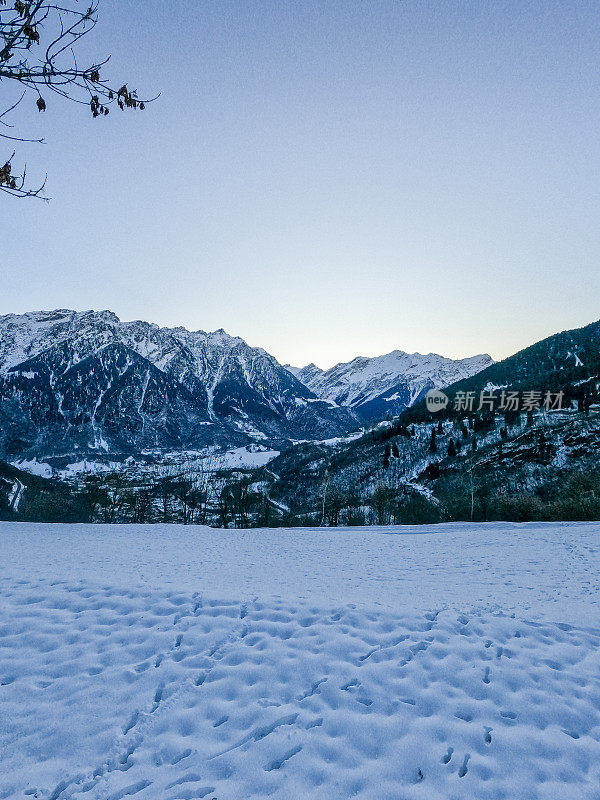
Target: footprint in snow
<point x="464" y="767"/>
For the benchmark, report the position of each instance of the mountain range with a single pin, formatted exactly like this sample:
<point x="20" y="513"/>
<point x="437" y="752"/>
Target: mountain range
<point x="384" y="385"/>
<point x="536" y="454"/>
<point x="81" y="383"/>
<point x="568" y="361"/>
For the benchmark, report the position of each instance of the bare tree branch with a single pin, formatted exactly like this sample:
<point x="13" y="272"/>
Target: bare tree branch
<point x="37" y="50"/>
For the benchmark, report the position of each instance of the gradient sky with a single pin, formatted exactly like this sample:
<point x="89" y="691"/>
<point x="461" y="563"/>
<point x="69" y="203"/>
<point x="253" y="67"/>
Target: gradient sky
<point x="326" y="179"/>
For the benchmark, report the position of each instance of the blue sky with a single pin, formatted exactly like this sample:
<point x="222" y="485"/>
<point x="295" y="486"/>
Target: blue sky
<point x="326" y="179"/>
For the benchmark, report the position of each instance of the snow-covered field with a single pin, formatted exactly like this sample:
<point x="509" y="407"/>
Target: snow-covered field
<point x="174" y="663"/>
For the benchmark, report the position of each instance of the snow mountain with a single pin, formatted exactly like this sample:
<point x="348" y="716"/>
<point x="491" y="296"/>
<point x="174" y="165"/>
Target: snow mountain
<point x="567" y="360"/>
<point x="86" y="382"/>
<point x="375" y="387"/>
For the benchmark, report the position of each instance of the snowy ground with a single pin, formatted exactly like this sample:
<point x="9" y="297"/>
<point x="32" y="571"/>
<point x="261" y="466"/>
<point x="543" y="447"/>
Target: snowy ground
<point x="173" y="663"/>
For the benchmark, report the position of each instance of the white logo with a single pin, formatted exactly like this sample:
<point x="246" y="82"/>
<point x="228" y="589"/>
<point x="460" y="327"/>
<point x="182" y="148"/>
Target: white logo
<point x="436" y="400"/>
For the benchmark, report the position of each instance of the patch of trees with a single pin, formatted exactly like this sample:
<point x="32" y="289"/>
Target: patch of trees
<point x="471" y="493"/>
<point x="395" y="428"/>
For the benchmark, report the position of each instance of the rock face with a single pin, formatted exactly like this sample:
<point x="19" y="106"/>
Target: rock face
<point x="86" y="382"/>
<point x="374" y="387"/>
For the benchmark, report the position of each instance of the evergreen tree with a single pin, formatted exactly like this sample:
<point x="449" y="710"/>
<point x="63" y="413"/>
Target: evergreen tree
<point x="451" y="449"/>
<point x="512" y="417"/>
<point x="433" y="443"/>
<point x="433" y="470"/>
<point x="440" y="428"/>
<point x="395" y="451"/>
<point x="386" y="456"/>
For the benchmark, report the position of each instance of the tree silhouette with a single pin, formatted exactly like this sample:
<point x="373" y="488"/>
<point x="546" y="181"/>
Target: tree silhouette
<point x="432" y="443"/>
<point x="386" y="456"/>
<point x="38" y="40"/>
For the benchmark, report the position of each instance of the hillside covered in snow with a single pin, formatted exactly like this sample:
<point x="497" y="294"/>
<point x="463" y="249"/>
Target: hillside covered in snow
<point x="376" y="387"/>
<point x="75" y="385"/>
<point x="88" y="382"/>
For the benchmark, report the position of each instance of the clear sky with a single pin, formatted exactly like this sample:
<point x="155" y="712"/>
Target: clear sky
<point x="326" y="178"/>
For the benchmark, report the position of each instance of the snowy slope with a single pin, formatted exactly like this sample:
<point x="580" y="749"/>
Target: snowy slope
<point x="179" y="663"/>
<point x="200" y="361"/>
<point x="389" y="382"/>
<point x="88" y="381"/>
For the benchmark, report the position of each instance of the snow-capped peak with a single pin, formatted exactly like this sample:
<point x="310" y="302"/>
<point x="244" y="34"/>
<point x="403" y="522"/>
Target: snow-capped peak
<point x="364" y="379"/>
<point x="74" y="378"/>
